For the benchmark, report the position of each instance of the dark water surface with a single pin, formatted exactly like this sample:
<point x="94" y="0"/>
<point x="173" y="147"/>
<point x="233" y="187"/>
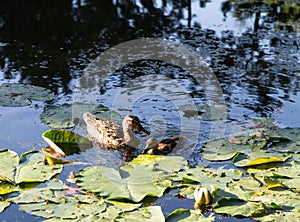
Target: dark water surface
<point x="253" y="49"/>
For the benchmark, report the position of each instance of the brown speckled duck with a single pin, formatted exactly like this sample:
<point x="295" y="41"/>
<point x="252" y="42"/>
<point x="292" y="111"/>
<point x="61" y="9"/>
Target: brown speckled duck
<point x="110" y="134"/>
<point x="163" y="147"/>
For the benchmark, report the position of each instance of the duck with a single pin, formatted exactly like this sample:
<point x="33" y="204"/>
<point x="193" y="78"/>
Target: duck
<point x="165" y="146"/>
<point x="110" y="134"/>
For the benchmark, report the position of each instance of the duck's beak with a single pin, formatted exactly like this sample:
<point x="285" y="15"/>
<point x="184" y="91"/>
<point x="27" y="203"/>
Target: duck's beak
<point x="142" y="130"/>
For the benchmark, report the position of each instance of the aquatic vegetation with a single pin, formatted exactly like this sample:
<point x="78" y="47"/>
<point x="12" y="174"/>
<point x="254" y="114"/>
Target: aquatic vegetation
<point x="265" y="186"/>
<point x="16" y="94"/>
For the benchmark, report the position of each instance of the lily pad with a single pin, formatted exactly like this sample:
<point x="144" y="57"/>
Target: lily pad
<point x="3" y="204"/>
<point x="165" y="163"/>
<point x="257" y="158"/>
<point x="187" y="215"/>
<point x="62" y="116"/>
<point x="241" y="208"/>
<point x="75" y="207"/>
<point x="16" y="94"/>
<point x="29" y="168"/>
<point x="223" y="149"/>
<point x="66" y="142"/>
<point x="151" y="214"/>
<point x="292" y="134"/>
<point x="46" y="192"/>
<point x="129" y="182"/>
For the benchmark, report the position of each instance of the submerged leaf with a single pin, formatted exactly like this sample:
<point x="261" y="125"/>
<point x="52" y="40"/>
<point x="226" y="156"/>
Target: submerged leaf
<point x="67" y="115"/>
<point x="21" y="95"/>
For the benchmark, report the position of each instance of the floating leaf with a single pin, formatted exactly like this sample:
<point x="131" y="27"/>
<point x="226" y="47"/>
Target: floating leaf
<point x="9" y="160"/>
<point x="21" y="95"/>
<point x="30" y="169"/>
<point x="65" y="141"/>
<point x="3" y="205"/>
<point x="257" y="158"/>
<point x="286" y="146"/>
<point x="129" y="182"/>
<point x="151" y="214"/>
<point x="292" y="134"/>
<point x="223" y="149"/>
<point x="76" y="207"/>
<point x="186" y="215"/>
<point x="273" y="183"/>
<point x="6" y="188"/>
<point x="241" y="208"/>
<point x="165" y="163"/>
<point x="48" y="191"/>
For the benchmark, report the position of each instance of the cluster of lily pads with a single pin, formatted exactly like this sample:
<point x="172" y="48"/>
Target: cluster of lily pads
<point x="265" y="187"/>
<point x="263" y="182"/>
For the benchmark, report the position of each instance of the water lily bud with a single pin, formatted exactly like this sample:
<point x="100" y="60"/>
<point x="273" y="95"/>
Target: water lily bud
<point x="202" y="196"/>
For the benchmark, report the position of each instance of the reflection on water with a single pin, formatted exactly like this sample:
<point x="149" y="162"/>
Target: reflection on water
<point x="253" y="47"/>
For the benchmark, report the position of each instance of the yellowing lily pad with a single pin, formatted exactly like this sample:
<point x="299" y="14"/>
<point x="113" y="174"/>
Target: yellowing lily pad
<point x="165" y="163"/>
<point x="21" y="95"/>
<point x="257" y="158"/>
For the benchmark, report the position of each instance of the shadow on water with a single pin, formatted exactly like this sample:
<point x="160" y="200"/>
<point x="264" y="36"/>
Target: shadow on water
<point x="253" y="49"/>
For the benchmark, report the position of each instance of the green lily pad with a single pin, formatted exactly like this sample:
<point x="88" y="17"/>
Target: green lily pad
<point x="223" y="149"/>
<point x="292" y="134"/>
<point x="21" y="95"/>
<point x="62" y="116"/>
<point x="46" y="192"/>
<point x="151" y="214"/>
<point x="241" y="208"/>
<point x="9" y="160"/>
<point x="286" y="147"/>
<point x="128" y="183"/>
<point x="67" y="141"/>
<point x="29" y="168"/>
<point x="186" y="215"/>
<point x="75" y="207"/>
<point x="206" y="177"/>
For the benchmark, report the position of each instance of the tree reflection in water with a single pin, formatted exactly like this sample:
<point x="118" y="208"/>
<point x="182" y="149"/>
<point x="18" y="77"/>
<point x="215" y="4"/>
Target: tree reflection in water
<point x="55" y="40"/>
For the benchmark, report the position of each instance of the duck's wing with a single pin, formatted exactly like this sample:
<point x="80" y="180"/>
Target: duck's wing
<point x="106" y="132"/>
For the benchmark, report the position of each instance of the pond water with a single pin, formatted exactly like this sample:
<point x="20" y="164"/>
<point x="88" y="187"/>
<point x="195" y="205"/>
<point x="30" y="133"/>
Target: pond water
<point x="251" y="51"/>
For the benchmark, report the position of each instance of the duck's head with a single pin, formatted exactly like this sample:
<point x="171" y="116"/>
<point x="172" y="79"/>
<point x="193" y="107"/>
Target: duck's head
<point x="134" y="123"/>
<point x="151" y="146"/>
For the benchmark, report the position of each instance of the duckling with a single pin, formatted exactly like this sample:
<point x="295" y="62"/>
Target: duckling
<point x="110" y="134"/>
<point x="163" y="147"/>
